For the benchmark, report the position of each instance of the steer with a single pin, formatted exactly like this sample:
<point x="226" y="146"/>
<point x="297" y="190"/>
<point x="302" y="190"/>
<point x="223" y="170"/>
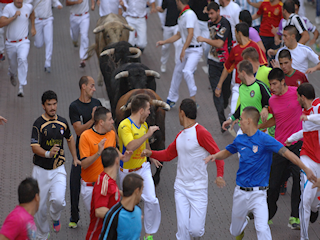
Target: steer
<point x="156" y="117"/>
<point x="130" y="76"/>
<point x="115" y="55"/>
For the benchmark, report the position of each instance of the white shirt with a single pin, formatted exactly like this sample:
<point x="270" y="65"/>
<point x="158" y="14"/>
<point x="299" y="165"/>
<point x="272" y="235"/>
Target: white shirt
<point x="136" y="8"/>
<point x="189" y="20"/>
<point x="43" y="8"/>
<point x="18" y="28"/>
<point x="79" y="8"/>
<point x="231" y="13"/>
<point x="108" y="6"/>
<point x="300" y="57"/>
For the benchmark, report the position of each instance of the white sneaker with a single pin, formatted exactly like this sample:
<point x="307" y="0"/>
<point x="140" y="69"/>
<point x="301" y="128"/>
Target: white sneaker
<point x="163" y="68"/>
<point x="317" y="20"/>
<point x="20" y="93"/>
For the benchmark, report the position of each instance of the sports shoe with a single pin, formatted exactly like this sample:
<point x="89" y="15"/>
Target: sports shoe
<point x="283" y="188"/>
<point x="317" y="20"/>
<point x="20" y="93"/>
<point x="163" y="68"/>
<point x="73" y="224"/>
<point x="13" y="80"/>
<point x="171" y="104"/>
<point x="250" y="215"/>
<point x="294" y="223"/>
<point x="314" y="216"/>
<point x="75" y="43"/>
<point x="270" y="222"/>
<point x="82" y="64"/>
<point x="150" y="237"/>
<point x="47" y="69"/>
<point x="2" y="57"/>
<point x="56" y="226"/>
<point x="239" y="237"/>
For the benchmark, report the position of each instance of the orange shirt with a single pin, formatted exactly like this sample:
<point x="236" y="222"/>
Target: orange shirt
<point x="88" y="146"/>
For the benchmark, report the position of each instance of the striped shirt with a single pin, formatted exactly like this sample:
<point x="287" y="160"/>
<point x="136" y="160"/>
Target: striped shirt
<point x="245" y="6"/>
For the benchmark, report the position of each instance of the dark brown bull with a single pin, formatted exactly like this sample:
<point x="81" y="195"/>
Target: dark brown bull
<point x="156" y="117"/>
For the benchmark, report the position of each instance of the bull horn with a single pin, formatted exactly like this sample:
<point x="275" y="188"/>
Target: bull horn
<point x="126" y="107"/>
<point x="135" y="50"/>
<point x="151" y="73"/>
<point x="159" y="103"/>
<point x="98" y="29"/>
<point x="122" y="74"/>
<point x="126" y="26"/>
<point x="107" y="52"/>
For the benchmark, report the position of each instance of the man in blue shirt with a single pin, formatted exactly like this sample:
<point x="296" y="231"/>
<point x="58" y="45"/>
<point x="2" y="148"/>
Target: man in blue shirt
<point x="250" y="194"/>
<point x="123" y="220"/>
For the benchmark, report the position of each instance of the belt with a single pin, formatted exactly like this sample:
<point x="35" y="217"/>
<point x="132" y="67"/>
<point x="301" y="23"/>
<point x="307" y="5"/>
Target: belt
<point x="79" y="15"/>
<point x="17" y="40"/>
<point x="41" y="18"/>
<point x="134" y="17"/>
<point x="194" y="46"/>
<point x="130" y="170"/>
<point x="250" y="189"/>
<point x="88" y="184"/>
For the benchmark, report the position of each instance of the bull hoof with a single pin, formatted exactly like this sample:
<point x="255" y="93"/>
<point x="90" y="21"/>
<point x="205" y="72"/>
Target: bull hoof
<point x="100" y="82"/>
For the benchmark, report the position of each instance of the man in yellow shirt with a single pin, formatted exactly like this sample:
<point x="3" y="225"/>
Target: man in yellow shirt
<point x="133" y="136"/>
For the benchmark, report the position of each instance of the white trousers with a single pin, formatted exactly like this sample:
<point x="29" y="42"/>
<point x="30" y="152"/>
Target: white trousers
<point x="79" y="25"/>
<point x="140" y="26"/>
<point x="165" y="49"/>
<point x="2" y="30"/>
<point x="235" y="93"/>
<point x="191" y="210"/>
<point x="86" y="194"/>
<point x="186" y="69"/>
<point x="255" y="202"/>
<point x="152" y="213"/>
<point x="52" y="184"/>
<point x="44" y="34"/>
<point x="309" y="197"/>
<point x="206" y="34"/>
<point x="17" y="54"/>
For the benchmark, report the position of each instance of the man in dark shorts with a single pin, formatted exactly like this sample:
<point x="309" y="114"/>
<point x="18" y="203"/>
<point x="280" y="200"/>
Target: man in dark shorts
<point x="81" y="112"/>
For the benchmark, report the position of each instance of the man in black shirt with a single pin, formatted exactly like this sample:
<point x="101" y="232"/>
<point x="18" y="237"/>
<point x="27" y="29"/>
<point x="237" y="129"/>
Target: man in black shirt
<point x="48" y="133"/>
<point x="81" y="112"/>
<point x="170" y="28"/>
<point x="221" y="43"/>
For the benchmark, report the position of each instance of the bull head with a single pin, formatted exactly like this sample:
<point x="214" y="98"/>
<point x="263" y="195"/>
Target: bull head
<point x="149" y="73"/>
<point x="156" y="103"/>
<point x="133" y="50"/>
<point x="101" y="28"/>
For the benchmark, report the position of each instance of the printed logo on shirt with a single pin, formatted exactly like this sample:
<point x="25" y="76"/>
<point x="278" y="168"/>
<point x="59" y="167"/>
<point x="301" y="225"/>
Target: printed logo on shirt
<point x="61" y="131"/>
<point x="32" y="231"/>
<point x="45" y="132"/>
<point x="298" y="82"/>
<point x="255" y="148"/>
<point x="276" y="11"/>
<point x="53" y="126"/>
<point x="252" y="93"/>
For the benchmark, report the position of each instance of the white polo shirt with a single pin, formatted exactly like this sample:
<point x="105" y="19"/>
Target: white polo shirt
<point x="44" y="8"/>
<point x="300" y="56"/>
<point x="19" y="28"/>
<point x="189" y="20"/>
<point x="79" y="8"/>
<point x="136" y="8"/>
<point x="108" y="6"/>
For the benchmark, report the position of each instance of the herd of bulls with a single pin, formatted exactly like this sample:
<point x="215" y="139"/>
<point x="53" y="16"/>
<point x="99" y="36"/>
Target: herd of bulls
<point x="125" y="76"/>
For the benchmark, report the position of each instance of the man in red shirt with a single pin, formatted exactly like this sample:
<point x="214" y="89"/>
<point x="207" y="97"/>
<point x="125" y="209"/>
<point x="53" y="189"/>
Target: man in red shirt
<point x="293" y="77"/>
<point x="105" y="192"/>
<point x="242" y="36"/>
<point x="271" y="11"/>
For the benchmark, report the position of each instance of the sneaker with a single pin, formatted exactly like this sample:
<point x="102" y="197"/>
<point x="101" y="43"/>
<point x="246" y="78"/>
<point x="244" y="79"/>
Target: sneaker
<point x="20" y="93"/>
<point x="47" y="69"/>
<point x="283" y="188"/>
<point x="73" y="224"/>
<point x="314" y="216"/>
<point x="294" y="223"/>
<point x="317" y="20"/>
<point x="2" y="57"/>
<point x="239" y="237"/>
<point x="75" y="43"/>
<point x="56" y="226"/>
<point x="250" y="215"/>
<point x="82" y="64"/>
<point x="150" y="237"/>
<point x="270" y="222"/>
<point x="171" y="104"/>
<point x="13" y="80"/>
<point x="163" y="68"/>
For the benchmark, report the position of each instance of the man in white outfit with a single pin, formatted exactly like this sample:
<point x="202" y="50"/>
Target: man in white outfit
<point x="44" y="27"/>
<point x="135" y="12"/>
<point x="3" y="3"/>
<point x="79" y="25"/>
<point x="108" y="6"/>
<point x="190" y="55"/>
<point x="16" y="16"/>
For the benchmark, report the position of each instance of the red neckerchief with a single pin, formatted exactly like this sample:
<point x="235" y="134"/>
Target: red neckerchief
<point x="186" y="8"/>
